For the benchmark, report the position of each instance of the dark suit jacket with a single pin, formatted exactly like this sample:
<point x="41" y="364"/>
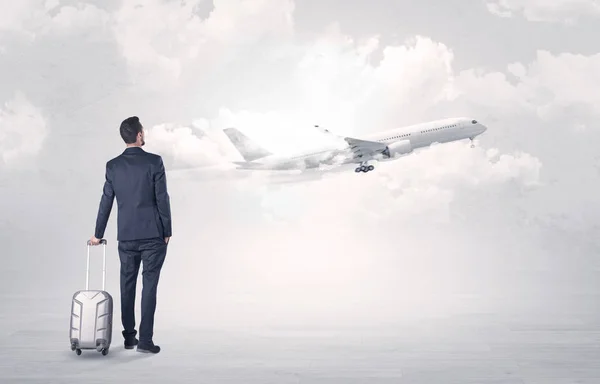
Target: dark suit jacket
<point x="137" y="179"/>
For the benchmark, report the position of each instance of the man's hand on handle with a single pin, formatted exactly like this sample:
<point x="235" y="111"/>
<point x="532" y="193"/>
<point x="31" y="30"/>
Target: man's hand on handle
<point x="94" y="241"/>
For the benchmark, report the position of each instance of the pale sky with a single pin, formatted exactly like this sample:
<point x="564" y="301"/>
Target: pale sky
<point x="71" y="71"/>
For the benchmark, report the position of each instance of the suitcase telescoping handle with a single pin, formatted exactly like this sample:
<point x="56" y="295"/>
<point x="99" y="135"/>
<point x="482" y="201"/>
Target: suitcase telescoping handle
<point x="87" y="271"/>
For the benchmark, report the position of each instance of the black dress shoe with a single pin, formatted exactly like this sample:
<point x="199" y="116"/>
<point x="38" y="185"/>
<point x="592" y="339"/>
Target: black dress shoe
<point x="129" y="344"/>
<point x="148" y="348"/>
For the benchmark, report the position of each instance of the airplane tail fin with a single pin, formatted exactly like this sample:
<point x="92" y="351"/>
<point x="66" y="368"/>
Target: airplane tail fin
<point x="249" y="150"/>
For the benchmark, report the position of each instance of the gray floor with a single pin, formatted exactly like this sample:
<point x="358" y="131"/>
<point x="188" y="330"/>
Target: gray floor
<point x="560" y="344"/>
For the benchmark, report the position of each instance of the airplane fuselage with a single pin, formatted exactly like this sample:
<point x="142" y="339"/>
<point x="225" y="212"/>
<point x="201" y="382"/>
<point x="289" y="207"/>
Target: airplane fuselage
<point x="425" y="134"/>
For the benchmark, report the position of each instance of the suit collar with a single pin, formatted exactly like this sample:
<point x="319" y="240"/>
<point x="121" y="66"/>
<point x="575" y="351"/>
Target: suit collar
<point x="133" y="150"/>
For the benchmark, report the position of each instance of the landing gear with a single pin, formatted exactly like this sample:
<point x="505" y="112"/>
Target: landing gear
<point x="364" y="167"/>
<point x="472" y="143"/>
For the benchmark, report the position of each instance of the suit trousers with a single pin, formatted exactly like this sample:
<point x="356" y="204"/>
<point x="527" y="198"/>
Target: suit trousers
<point x="132" y="253"/>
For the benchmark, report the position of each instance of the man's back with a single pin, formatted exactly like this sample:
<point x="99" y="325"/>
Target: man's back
<point x="137" y="179"/>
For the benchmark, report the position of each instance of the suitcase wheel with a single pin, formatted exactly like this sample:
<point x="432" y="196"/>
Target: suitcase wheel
<point x="105" y="351"/>
<point x="78" y="351"/>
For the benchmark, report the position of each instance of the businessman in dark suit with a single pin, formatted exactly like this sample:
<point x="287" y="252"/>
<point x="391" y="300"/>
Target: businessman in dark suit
<point x="137" y="179"/>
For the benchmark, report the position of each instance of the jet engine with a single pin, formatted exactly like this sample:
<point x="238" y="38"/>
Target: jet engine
<point x="401" y="147"/>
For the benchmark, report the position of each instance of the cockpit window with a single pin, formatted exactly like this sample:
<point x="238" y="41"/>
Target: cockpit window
<point x="474" y="122"/>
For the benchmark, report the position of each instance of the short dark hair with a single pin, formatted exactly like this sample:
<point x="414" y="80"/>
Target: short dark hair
<point x="130" y="127"/>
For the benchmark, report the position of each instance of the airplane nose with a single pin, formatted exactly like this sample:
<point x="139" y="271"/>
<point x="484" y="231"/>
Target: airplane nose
<point x="483" y="128"/>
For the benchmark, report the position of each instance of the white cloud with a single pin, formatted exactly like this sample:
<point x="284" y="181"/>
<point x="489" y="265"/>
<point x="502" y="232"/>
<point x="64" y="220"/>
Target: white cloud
<point x="571" y="79"/>
<point x="33" y="17"/>
<point x="420" y="184"/>
<point x="548" y="87"/>
<point x="344" y="86"/>
<point x="185" y="146"/>
<point x="51" y="4"/>
<point x="81" y="17"/>
<point x="567" y="11"/>
<point x="21" y="16"/>
<point x="242" y="22"/>
<point x="159" y="39"/>
<point x="23" y="130"/>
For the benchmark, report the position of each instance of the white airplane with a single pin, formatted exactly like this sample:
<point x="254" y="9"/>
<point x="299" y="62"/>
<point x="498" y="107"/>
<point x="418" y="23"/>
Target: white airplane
<point x="381" y="146"/>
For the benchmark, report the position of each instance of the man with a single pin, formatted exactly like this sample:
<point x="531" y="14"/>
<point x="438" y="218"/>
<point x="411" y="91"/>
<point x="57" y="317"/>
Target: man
<point x="137" y="179"/>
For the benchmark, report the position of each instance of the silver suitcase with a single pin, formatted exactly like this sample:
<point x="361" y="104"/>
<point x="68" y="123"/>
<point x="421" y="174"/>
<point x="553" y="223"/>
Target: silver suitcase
<point x="92" y="314"/>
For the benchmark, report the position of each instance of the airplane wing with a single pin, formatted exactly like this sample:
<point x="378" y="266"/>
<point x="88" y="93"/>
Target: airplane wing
<point x="359" y="148"/>
<point x="365" y="148"/>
